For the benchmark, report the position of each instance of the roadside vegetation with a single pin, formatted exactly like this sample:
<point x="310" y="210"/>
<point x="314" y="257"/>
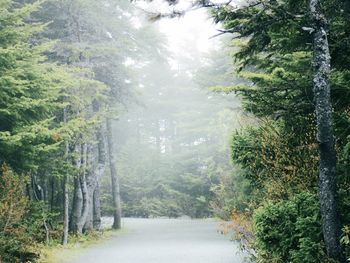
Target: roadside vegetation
<point x="98" y="117"/>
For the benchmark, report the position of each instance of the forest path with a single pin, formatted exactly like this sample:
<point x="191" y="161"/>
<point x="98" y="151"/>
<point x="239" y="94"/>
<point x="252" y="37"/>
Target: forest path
<point x="164" y="241"/>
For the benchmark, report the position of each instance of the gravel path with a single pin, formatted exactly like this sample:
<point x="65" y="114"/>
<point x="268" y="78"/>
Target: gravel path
<point x="164" y="241"/>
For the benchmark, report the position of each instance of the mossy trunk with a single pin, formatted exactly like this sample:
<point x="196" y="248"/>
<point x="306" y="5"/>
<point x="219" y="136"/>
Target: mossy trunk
<point x="325" y="136"/>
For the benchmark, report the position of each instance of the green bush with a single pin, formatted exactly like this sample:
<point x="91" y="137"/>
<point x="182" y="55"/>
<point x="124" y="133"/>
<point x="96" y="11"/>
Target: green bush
<point x="290" y="230"/>
<point x="16" y="245"/>
<point x="152" y="207"/>
<point x="22" y="223"/>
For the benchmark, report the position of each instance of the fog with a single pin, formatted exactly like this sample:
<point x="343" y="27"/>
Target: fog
<point x="144" y="124"/>
<point x="109" y="114"/>
<point x="172" y="139"/>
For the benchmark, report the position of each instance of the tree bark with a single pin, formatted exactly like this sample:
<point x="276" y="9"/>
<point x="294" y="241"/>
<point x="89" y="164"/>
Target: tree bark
<point x="65" y="211"/>
<point x="78" y="197"/>
<point x="65" y="193"/>
<point x="99" y="172"/>
<point x="52" y="193"/>
<point x="97" y="208"/>
<point x="114" y="177"/>
<point x="88" y="226"/>
<point x="92" y="155"/>
<point x="325" y="136"/>
<point x="97" y="164"/>
<point x="84" y="191"/>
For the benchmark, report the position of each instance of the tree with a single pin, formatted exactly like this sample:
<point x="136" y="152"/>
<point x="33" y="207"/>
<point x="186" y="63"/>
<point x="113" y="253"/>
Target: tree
<point x="277" y="59"/>
<point x="114" y="178"/>
<point x="88" y="49"/>
<point x="325" y="135"/>
<point x="173" y="145"/>
<point x="14" y="239"/>
<point x="29" y="91"/>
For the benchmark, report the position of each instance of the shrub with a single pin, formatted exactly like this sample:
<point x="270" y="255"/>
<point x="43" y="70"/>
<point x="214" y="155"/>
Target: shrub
<point x="290" y="230"/>
<point x="15" y="243"/>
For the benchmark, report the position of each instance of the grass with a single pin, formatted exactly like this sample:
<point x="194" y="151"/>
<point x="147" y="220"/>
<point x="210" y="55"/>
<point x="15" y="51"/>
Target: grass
<point x="57" y="253"/>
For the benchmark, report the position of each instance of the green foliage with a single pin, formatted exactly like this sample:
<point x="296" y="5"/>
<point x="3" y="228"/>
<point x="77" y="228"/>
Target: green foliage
<point x="233" y="193"/>
<point x="28" y="88"/>
<point x="41" y="224"/>
<point x="173" y="162"/>
<point x="48" y="66"/>
<point x="345" y="240"/>
<point x="290" y="230"/>
<point x="23" y="224"/>
<point x="275" y="160"/>
<point x="278" y="154"/>
<point x="154" y="207"/>
<point x="15" y="242"/>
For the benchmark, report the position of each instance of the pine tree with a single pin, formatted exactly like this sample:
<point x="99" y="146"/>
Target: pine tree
<point x="29" y="91"/>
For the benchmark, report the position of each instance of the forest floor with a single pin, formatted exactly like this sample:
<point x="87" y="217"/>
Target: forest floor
<point x="160" y="241"/>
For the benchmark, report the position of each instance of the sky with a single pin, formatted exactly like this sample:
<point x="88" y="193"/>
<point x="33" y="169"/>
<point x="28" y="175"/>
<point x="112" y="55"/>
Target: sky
<point x="194" y="29"/>
<point x="191" y="31"/>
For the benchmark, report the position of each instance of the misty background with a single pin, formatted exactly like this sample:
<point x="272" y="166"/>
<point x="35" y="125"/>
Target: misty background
<point x="173" y="141"/>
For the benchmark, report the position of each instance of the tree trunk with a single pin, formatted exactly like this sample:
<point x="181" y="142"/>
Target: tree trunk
<point x="78" y="197"/>
<point x="84" y="191"/>
<point x="65" y="211"/>
<point x="77" y="205"/>
<point x="65" y="193"/>
<point x="114" y="178"/>
<point x="88" y="226"/>
<point x="52" y="194"/>
<point x="99" y="172"/>
<point x="325" y="136"/>
<point x="97" y="208"/>
<point x="97" y="163"/>
<point x="92" y="155"/>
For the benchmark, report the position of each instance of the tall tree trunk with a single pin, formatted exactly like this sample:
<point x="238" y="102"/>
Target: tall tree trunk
<point x="325" y="136"/>
<point x="101" y="137"/>
<point x="65" y="192"/>
<point x="88" y="226"/>
<point x="78" y="197"/>
<point x="114" y="178"/>
<point x="77" y="206"/>
<point x="84" y="191"/>
<point x="97" y="163"/>
<point x="92" y="155"/>
<point x="65" y="211"/>
<point x="97" y="208"/>
<point x="52" y="194"/>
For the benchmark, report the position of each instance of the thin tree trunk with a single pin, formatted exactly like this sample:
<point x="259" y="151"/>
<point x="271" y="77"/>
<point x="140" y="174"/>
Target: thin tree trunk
<point x="52" y="197"/>
<point x="114" y="178"/>
<point x="65" y="194"/>
<point x="99" y="172"/>
<point x="84" y="191"/>
<point x="77" y="205"/>
<point x="92" y="155"/>
<point x="325" y="136"/>
<point x="78" y="197"/>
<point x="97" y="208"/>
<point x="37" y="194"/>
<point x="65" y="211"/>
